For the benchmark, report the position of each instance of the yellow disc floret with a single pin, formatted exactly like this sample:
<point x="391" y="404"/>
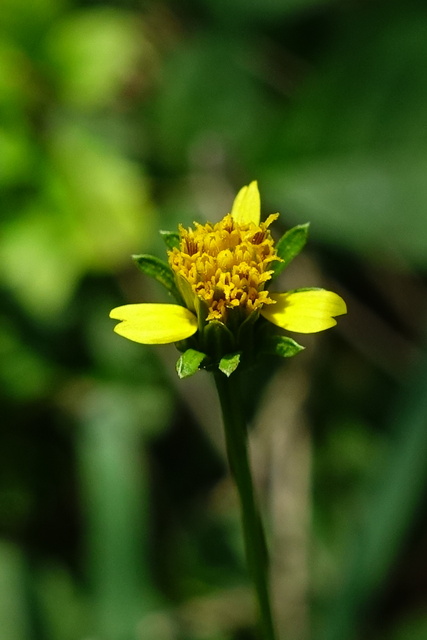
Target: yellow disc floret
<point x="226" y="264"/>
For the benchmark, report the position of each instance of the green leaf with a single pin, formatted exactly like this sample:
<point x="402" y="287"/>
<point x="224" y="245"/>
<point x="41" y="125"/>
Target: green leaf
<point x="160" y="271"/>
<point x="189" y="363"/>
<point x="171" y="239"/>
<point x="229" y="363"/>
<point x="289" y="246"/>
<point x="282" y="346"/>
<point x="90" y="50"/>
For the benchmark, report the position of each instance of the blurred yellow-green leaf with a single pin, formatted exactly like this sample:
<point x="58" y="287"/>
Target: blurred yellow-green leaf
<point x="96" y="55"/>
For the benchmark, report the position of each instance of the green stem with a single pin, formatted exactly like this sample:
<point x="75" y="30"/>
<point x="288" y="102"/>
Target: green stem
<point x="237" y="451"/>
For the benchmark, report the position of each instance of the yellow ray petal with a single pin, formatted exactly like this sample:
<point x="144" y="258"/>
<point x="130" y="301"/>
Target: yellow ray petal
<point x="305" y="311"/>
<point x="154" y="323"/>
<point x="247" y="205"/>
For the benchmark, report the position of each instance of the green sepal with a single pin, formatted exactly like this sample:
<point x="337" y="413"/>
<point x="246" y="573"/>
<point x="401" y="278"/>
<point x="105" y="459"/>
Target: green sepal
<point x="245" y="332"/>
<point x="229" y="363"/>
<point x="217" y="339"/>
<point x="160" y="271"/>
<point x="189" y="363"/>
<point x="282" y="346"/>
<point x="171" y="239"/>
<point x="289" y="246"/>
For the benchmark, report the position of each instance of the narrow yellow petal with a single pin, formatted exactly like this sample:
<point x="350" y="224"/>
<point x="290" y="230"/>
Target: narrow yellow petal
<point x="305" y="311"/>
<point x="247" y="205"/>
<point x="154" y="323"/>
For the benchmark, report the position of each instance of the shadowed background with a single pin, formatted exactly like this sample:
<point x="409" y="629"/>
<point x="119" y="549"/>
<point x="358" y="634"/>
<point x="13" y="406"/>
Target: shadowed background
<point x="118" y="520"/>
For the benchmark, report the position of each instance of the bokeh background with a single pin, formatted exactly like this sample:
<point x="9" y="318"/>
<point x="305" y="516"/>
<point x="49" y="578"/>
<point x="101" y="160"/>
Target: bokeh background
<point x="118" y="520"/>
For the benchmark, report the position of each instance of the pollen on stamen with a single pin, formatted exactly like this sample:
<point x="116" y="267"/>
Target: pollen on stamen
<point x="226" y="264"/>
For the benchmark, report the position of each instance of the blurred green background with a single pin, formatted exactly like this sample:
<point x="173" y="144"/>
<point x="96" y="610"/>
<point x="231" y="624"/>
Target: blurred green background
<point x="118" y="520"/>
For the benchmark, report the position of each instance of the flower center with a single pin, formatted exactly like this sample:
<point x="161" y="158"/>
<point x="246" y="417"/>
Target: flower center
<point x="226" y="264"/>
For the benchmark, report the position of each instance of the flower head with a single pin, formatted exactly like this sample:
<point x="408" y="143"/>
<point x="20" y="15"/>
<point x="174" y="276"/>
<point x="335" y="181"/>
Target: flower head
<point x="219" y="274"/>
<point x="227" y="264"/>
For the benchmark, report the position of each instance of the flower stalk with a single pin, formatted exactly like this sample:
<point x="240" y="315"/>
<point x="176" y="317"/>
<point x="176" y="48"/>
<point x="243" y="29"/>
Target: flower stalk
<point x="253" y="531"/>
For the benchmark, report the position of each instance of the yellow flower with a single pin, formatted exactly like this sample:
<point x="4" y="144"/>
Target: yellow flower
<point x="221" y="272"/>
